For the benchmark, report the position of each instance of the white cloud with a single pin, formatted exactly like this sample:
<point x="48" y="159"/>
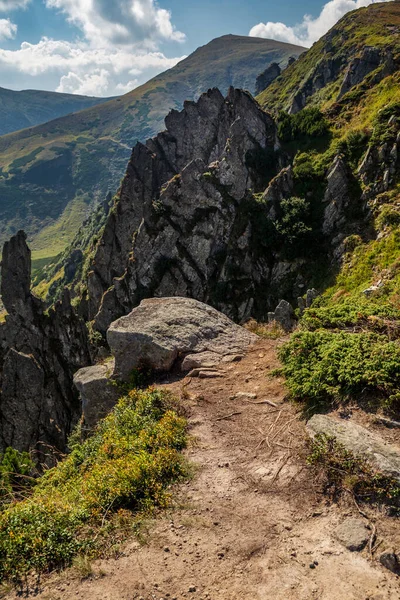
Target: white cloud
<point x="117" y="51"/>
<point x="310" y="30"/>
<point x="90" y="84"/>
<point x="119" y="22"/>
<point x="79" y="68"/>
<point x="124" y="88"/>
<point x="7" y="5"/>
<point x="8" y="30"/>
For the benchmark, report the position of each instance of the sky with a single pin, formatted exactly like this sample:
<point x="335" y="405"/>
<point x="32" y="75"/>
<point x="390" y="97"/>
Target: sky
<point x="109" y="47"/>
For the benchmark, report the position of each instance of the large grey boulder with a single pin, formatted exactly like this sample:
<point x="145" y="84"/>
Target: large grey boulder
<point x="382" y="456"/>
<point x="99" y="393"/>
<point x="161" y="330"/>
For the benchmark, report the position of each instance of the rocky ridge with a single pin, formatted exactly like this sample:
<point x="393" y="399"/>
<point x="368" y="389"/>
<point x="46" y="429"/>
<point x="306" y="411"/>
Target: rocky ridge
<point x="360" y="51"/>
<point x="198" y="215"/>
<point x="185" y="203"/>
<point x="267" y="77"/>
<point x="39" y="352"/>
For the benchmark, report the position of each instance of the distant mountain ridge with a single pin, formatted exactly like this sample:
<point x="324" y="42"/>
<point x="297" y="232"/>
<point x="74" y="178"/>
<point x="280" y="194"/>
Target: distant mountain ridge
<point x="27" y="108"/>
<point x="53" y="173"/>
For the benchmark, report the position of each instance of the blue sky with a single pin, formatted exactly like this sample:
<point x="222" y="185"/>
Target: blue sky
<point x="107" y="47"/>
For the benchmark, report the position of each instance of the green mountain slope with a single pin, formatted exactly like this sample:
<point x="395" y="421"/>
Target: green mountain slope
<point x="317" y="79"/>
<point x="28" y="108"/>
<point x="52" y="174"/>
<point x="348" y="344"/>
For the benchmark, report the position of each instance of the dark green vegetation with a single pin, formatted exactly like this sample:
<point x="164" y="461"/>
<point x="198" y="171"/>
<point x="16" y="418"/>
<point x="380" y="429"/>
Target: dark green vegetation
<point x="308" y="123"/>
<point x="323" y="367"/>
<point x="51" y="175"/>
<point x="19" y="110"/>
<point x="344" y="472"/>
<point x="123" y="469"/>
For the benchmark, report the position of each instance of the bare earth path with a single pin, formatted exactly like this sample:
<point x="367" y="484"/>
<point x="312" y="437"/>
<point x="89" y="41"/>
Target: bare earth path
<point x="252" y="523"/>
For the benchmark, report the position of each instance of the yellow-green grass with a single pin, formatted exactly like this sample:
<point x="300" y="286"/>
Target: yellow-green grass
<point x="54" y="238"/>
<point x="128" y="464"/>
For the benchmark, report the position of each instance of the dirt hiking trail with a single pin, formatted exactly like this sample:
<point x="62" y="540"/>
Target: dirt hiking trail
<point x="252" y="523"/>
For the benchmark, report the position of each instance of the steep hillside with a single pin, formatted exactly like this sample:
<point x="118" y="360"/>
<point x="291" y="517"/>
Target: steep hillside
<point x="28" y="108"/>
<point x="52" y="174"/>
<point x="362" y="47"/>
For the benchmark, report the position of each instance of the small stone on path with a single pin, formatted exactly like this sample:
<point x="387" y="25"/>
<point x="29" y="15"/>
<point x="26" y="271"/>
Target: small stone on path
<point x="353" y="534"/>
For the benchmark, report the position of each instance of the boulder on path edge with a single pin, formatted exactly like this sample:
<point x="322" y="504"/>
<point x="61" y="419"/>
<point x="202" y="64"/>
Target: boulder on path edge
<point x="383" y="457"/>
<point x="162" y="330"/>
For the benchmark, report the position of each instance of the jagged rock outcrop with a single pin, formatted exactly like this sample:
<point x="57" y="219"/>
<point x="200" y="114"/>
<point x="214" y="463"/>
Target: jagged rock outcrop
<point x="16" y="275"/>
<point x="307" y="301"/>
<point x="337" y="196"/>
<point x="280" y="188"/>
<point x="39" y="353"/>
<point x="381" y="161"/>
<point x="370" y="59"/>
<point x="284" y="315"/>
<point x="346" y="210"/>
<point x="330" y="68"/>
<point x="326" y="71"/>
<point x="267" y="77"/>
<point x="200" y="214"/>
<point x="186" y="222"/>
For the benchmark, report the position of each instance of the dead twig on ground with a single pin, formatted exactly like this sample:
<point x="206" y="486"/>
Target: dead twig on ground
<point x="228" y="416"/>
<point x="284" y="463"/>
<point x="372" y="540"/>
<point x="262" y="402"/>
<point x="283" y="427"/>
<point x="375" y="548"/>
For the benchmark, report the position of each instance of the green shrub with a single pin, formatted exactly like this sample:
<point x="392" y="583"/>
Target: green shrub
<point x="353" y="147"/>
<point x="350" y="313"/>
<point x="309" y="178"/>
<point x="128" y="464"/>
<point x="309" y="122"/>
<point x="389" y="216"/>
<point x="293" y="223"/>
<point x="322" y="366"/>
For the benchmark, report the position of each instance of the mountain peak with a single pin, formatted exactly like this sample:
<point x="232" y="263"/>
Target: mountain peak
<point x="81" y="157"/>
